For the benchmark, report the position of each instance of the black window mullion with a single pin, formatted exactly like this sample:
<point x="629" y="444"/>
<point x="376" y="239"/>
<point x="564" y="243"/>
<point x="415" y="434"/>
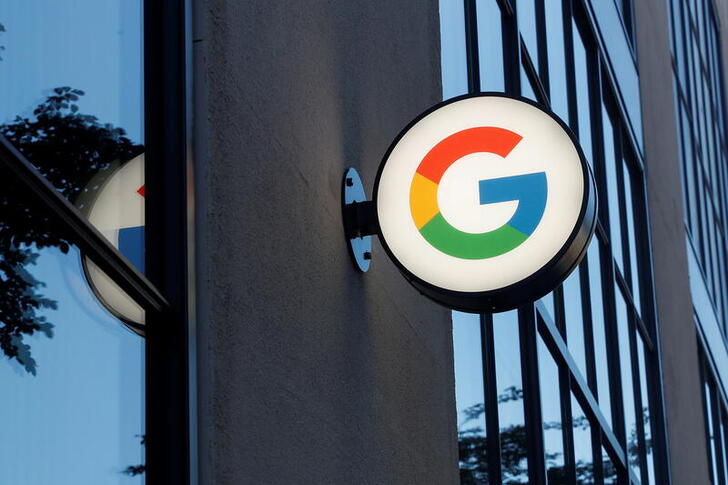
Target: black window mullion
<point x="531" y="395"/>
<point x="168" y="423"/>
<point x="471" y="46"/>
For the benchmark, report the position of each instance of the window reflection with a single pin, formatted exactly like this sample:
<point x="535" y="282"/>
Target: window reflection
<point x="612" y="195"/>
<point x="557" y="63"/>
<point x="625" y="362"/>
<point x="599" y="329"/>
<point x="510" y="398"/>
<point x="490" y="46"/>
<point x="582" y="445"/>
<point x="527" y="27"/>
<point x="453" y="59"/>
<point x="574" y="320"/>
<point x="551" y="411"/>
<point x="73" y="374"/>
<point x="72" y="98"/>
<point x="470" y="398"/>
<point x="582" y="92"/>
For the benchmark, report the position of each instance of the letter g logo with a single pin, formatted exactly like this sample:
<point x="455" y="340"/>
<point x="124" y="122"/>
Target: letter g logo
<point x="530" y="190"/>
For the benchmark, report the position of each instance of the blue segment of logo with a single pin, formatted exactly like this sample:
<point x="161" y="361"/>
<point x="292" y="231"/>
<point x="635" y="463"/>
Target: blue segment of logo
<point x="529" y="190"/>
<point x="131" y="245"/>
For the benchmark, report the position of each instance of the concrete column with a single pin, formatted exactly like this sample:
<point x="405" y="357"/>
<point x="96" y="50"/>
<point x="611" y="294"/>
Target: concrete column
<point x="310" y="372"/>
<point x="678" y="342"/>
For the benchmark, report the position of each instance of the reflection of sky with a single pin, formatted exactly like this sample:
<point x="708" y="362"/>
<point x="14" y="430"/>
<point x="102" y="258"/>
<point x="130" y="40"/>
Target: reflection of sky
<point x="77" y="421"/>
<point x="468" y="367"/>
<point x="93" y="45"/>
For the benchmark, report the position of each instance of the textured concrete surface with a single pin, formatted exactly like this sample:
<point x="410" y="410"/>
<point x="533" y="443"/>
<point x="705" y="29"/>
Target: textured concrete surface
<point x="678" y="343"/>
<point x="308" y="371"/>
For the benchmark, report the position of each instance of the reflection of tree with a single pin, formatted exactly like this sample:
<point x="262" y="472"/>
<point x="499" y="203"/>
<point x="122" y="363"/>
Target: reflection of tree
<point x="2" y="47"/>
<point x="68" y="148"/>
<point x="135" y="470"/>
<point x="473" y="447"/>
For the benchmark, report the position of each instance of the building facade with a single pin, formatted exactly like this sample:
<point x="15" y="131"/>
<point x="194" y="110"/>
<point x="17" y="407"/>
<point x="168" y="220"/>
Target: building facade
<point x="178" y="304"/>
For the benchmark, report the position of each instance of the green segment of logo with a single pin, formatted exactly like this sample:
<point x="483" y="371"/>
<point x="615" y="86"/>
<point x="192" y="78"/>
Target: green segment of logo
<point x="466" y="245"/>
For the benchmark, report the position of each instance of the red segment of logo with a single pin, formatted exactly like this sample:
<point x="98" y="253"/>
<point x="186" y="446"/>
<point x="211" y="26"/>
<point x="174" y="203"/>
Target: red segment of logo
<point x="488" y="139"/>
<point x="140" y="190"/>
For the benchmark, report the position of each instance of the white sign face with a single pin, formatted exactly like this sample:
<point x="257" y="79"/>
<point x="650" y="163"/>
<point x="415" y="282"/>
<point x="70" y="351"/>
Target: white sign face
<point x="481" y="193"/>
<point x="118" y="213"/>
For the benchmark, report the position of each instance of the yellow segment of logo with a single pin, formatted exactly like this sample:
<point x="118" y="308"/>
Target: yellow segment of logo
<point x="423" y="200"/>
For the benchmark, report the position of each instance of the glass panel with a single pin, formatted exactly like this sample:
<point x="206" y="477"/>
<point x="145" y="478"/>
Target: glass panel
<point x="527" y="26"/>
<point x="526" y="88"/>
<point x="610" y="472"/>
<point x="625" y="362"/>
<point x="632" y="236"/>
<point x="600" y="340"/>
<point x="612" y="195"/>
<point x="514" y="464"/>
<point x="73" y="375"/>
<point x="490" y="46"/>
<point x="548" y="301"/>
<point x="641" y="351"/>
<point x="453" y="60"/>
<point x="469" y="398"/>
<point x="72" y="103"/>
<point x="557" y="63"/>
<point x="551" y="413"/>
<point x="710" y="430"/>
<point x="582" y="93"/>
<point x="574" y="320"/>
<point x="582" y="445"/>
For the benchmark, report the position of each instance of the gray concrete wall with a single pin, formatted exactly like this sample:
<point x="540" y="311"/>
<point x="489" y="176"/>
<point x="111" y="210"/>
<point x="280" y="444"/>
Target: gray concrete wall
<point x="678" y="342"/>
<point x="308" y="371"/>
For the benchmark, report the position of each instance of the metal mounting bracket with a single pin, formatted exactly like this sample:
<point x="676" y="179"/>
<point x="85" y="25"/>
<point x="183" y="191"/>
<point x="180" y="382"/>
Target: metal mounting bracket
<point x="360" y="219"/>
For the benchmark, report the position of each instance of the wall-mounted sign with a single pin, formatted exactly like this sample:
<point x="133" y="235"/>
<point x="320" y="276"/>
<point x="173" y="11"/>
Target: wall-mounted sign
<point x="485" y="202"/>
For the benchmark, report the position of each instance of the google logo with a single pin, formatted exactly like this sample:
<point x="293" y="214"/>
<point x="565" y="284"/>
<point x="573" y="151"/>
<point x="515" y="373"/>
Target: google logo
<point x="485" y="202"/>
<point x="529" y="189"/>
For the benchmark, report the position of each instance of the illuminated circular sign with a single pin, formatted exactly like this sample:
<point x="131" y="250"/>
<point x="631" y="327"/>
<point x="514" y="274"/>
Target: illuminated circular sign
<point x="485" y="202"/>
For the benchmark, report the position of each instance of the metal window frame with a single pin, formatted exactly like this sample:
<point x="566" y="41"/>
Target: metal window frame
<point x="534" y="320"/>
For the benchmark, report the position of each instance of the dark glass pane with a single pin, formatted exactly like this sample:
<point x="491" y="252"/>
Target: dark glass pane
<point x="527" y="26"/>
<point x="574" y="320"/>
<point x="582" y="445"/>
<point x="557" y="63"/>
<point x="490" y="46"/>
<point x="599" y="329"/>
<point x="551" y="413"/>
<point x="625" y="362"/>
<point x="514" y="463"/>
<point x="73" y="374"/>
<point x="711" y="429"/>
<point x="469" y="398"/>
<point x="453" y="59"/>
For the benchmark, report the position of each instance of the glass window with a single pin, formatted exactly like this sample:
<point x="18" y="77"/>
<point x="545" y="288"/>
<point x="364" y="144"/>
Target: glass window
<point x="599" y="329"/>
<point x="527" y="27"/>
<point x="514" y="464"/>
<point x="469" y="398"/>
<point x="574" y="320"/>
<point x="625" y="362"/>
<point x="582" y="445"/>
<point x="453" y="56"/>
<point x="557" y="62"/>
<point x="551" y="412"/>
<point x="72" y="103"/>
<point x="73" y="374"/>
<point x="490" y="46"/>
<point x="631" y="235"/>
<point x="612" y="195"/>
<point x="648" y="475"/>
<point x="582" y="92"/>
